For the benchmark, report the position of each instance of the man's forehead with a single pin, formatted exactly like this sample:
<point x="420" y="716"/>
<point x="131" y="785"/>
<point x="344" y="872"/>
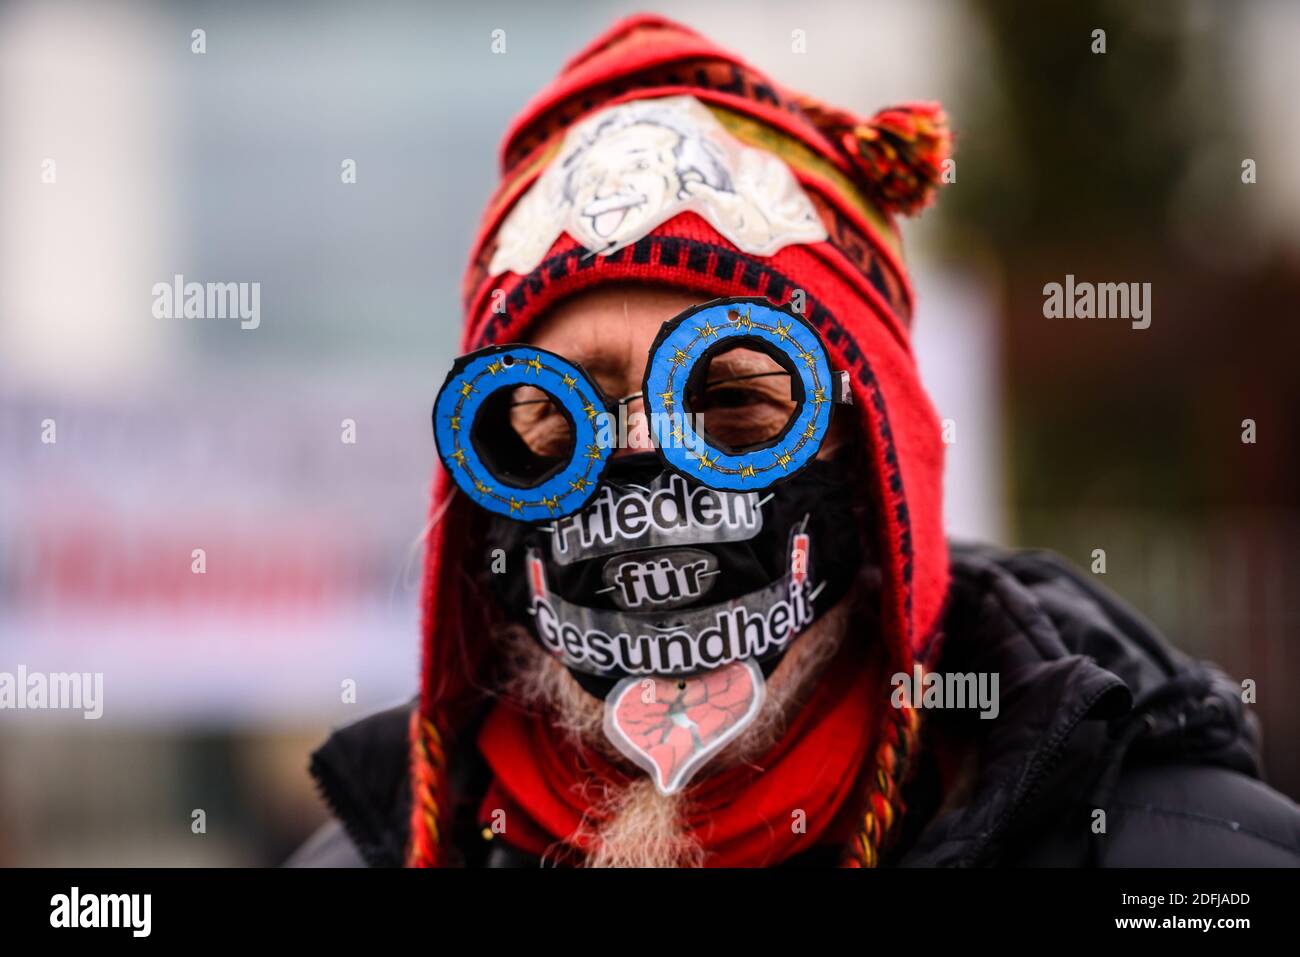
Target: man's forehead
<point x="599" y="339"/>
<point x="610" y="320"/>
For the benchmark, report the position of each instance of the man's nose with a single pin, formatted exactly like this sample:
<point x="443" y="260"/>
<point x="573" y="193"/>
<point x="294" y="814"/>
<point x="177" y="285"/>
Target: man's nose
<point x="637" y="429"/>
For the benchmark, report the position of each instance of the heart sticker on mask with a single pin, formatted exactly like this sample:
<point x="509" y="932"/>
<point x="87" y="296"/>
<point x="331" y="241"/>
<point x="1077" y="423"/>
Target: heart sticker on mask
<point x="671" y="726"/>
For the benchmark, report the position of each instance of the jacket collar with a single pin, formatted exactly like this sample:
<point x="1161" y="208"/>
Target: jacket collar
<point x="1083" y="681"/>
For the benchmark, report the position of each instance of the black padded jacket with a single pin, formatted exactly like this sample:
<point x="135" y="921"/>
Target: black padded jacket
<point x="1097" y="713"/>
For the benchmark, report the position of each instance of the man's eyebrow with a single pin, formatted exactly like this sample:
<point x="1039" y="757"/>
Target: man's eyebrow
<point x="605" y="366"/>
<point x="595" y="360"/>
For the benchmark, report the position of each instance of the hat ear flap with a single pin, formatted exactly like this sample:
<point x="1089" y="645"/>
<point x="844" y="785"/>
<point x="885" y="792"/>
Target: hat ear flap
<point x="899" y="154"/>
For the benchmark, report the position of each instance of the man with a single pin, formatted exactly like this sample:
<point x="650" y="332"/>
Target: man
<point x="687" y="597"/>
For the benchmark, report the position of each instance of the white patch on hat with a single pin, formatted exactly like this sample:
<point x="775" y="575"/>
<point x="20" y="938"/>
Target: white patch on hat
<point x="625" y="170"/>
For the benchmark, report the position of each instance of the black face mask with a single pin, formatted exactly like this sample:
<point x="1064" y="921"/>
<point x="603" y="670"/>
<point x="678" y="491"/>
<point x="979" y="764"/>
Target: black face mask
<point x="661" y="575"/>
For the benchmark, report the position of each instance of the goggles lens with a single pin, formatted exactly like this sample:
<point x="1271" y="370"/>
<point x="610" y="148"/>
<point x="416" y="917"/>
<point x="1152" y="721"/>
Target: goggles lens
<point x="741" y="397"/>
<point x="691" y="344"/>
<point x="507" y="463"/>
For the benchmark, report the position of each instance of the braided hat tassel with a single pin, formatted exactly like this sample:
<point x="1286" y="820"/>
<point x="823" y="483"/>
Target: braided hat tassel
<point x="429" y="792"/>
<point x="884" y="804"/>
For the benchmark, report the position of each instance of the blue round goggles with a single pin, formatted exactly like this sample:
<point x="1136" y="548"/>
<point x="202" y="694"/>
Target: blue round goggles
<point x="478" y="408"/>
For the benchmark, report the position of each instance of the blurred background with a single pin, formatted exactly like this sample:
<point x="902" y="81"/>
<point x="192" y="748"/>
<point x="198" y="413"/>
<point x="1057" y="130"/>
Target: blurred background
<point x="177" y="434"/>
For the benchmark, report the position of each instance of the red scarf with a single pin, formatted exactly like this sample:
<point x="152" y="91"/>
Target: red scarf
<point x="742" y="816"/>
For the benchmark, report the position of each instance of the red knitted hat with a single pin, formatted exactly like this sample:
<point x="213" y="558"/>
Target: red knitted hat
<point x="851" y="285"/>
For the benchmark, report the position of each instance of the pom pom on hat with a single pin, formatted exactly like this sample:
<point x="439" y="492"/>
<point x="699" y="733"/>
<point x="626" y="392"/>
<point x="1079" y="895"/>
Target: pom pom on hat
<point x="898" y="154"/>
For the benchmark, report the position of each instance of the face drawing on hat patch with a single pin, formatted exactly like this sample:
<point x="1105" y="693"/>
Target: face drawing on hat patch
<point x="625" y="170"/>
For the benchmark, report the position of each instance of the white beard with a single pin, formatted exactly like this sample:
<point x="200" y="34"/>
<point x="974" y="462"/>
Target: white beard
<point x="636" y="826"/>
